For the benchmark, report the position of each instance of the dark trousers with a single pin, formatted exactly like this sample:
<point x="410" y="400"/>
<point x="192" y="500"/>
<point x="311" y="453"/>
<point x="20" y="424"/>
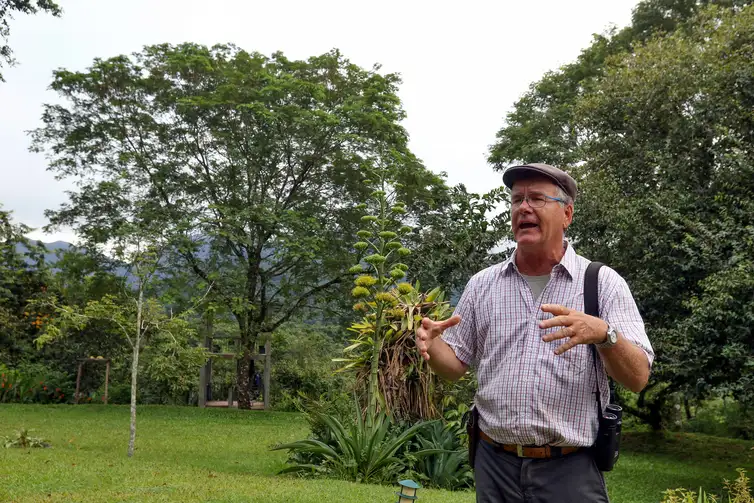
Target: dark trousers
<point x="502" y="477"/>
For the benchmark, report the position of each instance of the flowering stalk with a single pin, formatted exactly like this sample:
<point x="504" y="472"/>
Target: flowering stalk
<point x="376" y="284"/>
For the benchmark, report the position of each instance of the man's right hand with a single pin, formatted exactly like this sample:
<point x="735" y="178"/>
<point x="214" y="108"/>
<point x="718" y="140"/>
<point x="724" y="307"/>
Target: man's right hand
<point x="430" y="330"/>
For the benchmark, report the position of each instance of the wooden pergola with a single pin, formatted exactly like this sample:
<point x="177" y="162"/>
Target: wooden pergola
<point x="83" y="361"/>
<point x="205" y="375"/>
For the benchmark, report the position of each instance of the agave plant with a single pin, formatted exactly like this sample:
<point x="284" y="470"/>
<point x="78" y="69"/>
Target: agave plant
<point x="443" y="459"/>
<point x="366" y="452"/>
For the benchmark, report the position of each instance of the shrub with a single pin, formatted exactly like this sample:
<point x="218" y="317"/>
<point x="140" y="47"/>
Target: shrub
<point x="738" y="491"/>
<point x="34" y="383"/>
<point x="723" y="418"/>
<point x="23" y="440"/>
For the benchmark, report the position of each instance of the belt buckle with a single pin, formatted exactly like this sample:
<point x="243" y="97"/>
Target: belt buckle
<point x="520" y="451"/>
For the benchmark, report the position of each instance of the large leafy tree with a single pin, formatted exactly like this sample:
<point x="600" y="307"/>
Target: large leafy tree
<point x="542" y="126"/>
<point x="654" y="121"/>
<point x="252" y="164"/>
<point x="10" y="7"/>
<point x="667" y="189"/>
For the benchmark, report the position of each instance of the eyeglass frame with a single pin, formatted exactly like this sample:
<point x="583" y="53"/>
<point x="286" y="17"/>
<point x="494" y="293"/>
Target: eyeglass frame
<point x="526" y="198"/>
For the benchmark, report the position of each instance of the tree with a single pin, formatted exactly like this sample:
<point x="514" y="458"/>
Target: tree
<point x="458" y="238"/>
<point x="7" y="8"/>
<point x="633" y="120"/>
<point x="542" y="126"/>
<point x="24" y="276"/>
<point x="136" y="317"/>
<point x="252" y="164"/>
<point x="667" y="188"/>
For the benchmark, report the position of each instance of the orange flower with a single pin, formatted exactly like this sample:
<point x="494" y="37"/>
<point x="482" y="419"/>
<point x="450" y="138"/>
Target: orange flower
<point x="45" y="388"/>
<point x="41" y="383"/>
<point x="2" y="385"/>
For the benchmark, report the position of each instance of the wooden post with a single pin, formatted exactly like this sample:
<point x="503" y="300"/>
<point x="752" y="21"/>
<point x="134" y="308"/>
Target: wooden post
<point x="78" y="383"/>
<point x="204" y="374"/>
<point x="107" y="379"/>
<point x="267" y="371"/>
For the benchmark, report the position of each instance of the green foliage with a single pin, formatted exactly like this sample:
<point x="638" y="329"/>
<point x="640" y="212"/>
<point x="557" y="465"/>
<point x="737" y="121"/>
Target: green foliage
<point x="447" y="466"/>
<point x="364" y="453"/>
<point x="302" y="368"/>
<point x="407" y="387"/>
<point x="239" y="157"/>
<point x="34" y="383"/>
<point x="458" y="238"/>
<point x="23" y="440"/>
<point x="172" y="362"/>
<point x="654" y="120"/>
<point x="739" y="491"/>
<point x="723" y="418"/>
<point x="24" y="277"/>
<point x="7" y="10"/>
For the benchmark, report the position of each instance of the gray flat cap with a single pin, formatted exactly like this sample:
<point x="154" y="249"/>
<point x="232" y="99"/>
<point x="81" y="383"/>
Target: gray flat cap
<point x="559" y="177"/>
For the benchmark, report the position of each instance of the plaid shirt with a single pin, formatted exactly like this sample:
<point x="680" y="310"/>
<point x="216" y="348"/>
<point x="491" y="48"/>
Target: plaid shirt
<point x="526" y="394"/>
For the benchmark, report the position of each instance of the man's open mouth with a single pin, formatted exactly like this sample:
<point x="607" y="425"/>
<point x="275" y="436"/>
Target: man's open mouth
<point x="527" y="225"/>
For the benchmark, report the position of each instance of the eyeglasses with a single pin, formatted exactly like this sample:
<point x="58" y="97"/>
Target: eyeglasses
<point x="534" y="200"/>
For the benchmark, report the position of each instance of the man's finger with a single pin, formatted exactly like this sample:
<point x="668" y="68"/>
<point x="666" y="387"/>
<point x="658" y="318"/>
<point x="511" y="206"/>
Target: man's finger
<point x="560" y="334"/>
<point x="556" y="309"/>
<point x="566" y="346"/>
<point x="450" y="322"/>
<point x="558" y="321"/>
<point x="435" y="328"/>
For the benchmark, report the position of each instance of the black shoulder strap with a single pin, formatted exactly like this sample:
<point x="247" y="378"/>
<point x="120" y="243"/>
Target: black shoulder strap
<point x="591" y="301"/>
<point x="592" y="308"/>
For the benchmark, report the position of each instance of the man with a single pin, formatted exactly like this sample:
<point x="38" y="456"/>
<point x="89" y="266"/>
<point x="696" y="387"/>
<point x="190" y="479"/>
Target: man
<point x="536" y="376"/>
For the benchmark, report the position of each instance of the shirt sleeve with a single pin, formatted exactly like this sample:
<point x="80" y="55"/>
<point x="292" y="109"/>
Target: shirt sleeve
<point x="618" y="308"/>
<point x="462" y="337"/>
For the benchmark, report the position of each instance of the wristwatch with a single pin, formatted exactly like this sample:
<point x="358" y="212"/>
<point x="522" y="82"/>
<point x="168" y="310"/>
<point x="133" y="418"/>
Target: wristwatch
<point x="611" y="340"/>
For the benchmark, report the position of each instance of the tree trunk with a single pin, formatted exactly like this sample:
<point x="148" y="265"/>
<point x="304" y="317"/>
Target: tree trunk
<point x="373" y="389"/>
<point x="244" y="382"/>
<point x="135" y="371"/>
<point x="687" y="406"/>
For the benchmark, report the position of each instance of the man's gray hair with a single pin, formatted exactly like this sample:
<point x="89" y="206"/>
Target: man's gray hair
<point x="562" y="195"/>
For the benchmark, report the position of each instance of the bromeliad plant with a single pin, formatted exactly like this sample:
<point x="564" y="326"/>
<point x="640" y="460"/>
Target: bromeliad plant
<point x="406" y="386"/>
<point x="383" y="353"/>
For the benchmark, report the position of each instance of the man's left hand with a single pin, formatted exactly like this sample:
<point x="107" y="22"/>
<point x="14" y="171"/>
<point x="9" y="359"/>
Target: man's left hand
<point x="580" y="328"/>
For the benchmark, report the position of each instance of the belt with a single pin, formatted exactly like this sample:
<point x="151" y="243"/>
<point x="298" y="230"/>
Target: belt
<point x="525" y="451"/>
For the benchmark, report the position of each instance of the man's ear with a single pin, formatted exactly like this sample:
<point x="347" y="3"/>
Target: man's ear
<point x="568" y="216"/>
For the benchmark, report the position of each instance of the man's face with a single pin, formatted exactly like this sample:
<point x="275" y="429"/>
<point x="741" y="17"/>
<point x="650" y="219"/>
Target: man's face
<point x="538" y="227"/>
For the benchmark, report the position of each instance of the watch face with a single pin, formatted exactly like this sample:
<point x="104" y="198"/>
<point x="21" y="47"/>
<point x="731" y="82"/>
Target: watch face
<point x="612" y="335"/>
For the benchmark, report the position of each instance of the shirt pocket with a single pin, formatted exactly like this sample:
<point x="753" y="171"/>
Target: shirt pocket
<point x="577" y="358"/>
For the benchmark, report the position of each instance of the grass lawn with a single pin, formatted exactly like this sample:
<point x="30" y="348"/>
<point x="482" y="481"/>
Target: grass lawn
<point x="188" y="454"/>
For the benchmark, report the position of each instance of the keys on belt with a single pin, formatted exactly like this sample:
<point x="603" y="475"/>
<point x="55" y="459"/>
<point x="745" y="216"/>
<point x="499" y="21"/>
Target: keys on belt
<point x="525" y="451"/>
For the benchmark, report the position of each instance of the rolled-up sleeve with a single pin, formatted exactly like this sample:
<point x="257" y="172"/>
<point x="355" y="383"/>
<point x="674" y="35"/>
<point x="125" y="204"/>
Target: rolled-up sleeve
<point x="462" y="337"/>
<point x="618" y="308"/>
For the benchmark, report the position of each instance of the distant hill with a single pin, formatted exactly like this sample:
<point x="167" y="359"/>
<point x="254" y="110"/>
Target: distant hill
<point x="51" y="248"/>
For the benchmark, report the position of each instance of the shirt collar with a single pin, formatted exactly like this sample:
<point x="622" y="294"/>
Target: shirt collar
<point x="568" y="262"/>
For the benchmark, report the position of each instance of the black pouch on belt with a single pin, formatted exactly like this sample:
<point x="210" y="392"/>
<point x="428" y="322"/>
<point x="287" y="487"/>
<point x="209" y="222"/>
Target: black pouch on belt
<point x="472" y="430"/>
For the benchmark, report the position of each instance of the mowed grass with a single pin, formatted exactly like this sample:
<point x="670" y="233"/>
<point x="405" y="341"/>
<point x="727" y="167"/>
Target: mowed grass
<point x="189" y="454"/>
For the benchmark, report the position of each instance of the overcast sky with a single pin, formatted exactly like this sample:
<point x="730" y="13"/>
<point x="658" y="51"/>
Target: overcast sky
<point x="463" y="65"/>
